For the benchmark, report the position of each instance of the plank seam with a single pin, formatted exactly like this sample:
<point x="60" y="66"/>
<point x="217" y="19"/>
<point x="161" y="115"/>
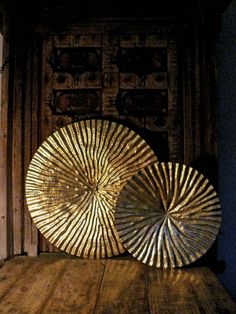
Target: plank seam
<point x="147" y="296"/>
<point x="100" y="288"/>
<point x="54" y="285"/>
<point x="23" y="271"/>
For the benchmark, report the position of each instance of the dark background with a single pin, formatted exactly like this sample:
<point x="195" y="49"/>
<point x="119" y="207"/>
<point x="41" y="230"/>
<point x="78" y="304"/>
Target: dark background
<point x="226" y="92"/>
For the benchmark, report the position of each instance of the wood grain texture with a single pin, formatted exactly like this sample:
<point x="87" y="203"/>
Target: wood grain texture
<point x="123" y="288"/>
<point x="33" y="287"/>
<point x="171" y="291"/>
<point x="4" y="252"/>
<point x="17" y="158"/>
<point x="57" y="284"/>
<point x="11" y="272"/>
<point x="194" y="290"/>
<point x="77" y="289"/>
<point x="30" y="121"/>
<point x="211" y="299"/>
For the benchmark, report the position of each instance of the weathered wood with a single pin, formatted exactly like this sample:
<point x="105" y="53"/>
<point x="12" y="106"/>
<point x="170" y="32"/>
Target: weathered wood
<point x="58" y="284"/>
<point x="210" y="293"/>
<point x="30" y="110"/>
<point x="189" y="56"/>
<point x="78" y="288"/>
<point x="17" y="186"/>
<point x="32" y="289"/>
<point x="123" y="288"/>
<point x="170" y="291"/>
<point x="197" y="55"/>
<point x="45" y="123"/>
<point x="35" y="85"/>
<point x="179" y="290"/>
<point x="11" y="272"/>
<point x="3" y="146"/>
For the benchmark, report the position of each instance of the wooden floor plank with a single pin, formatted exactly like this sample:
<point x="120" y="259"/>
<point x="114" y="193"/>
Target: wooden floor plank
<point x="211" y="293"/>
<point x="112" y="286"/>
<point x="123" y="289"/>
<point x="30" y="291"/>
<point x="11" y="271"/>
<point x="170" y="291"/>
<point x="78" y="288"/>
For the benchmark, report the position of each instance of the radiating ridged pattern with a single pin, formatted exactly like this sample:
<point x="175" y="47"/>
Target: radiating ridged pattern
<point x="73" y="181"/>
<point x="168" y="215"/>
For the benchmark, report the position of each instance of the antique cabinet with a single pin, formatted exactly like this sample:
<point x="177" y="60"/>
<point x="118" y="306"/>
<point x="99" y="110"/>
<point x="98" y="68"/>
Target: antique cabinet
<point x="153" y="71"/>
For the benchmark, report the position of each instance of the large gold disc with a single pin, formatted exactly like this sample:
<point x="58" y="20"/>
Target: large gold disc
<point x="168" y="215"/>
<point x="73" y="182"/>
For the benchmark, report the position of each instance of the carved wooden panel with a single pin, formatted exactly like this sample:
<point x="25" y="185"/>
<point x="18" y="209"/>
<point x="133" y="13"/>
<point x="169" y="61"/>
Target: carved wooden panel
<point x="130" y="77"/>
<point x="76" y="101"/>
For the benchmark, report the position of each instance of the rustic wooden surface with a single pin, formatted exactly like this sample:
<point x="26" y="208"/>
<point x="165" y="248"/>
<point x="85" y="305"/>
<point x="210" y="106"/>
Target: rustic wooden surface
<point x="57" y="284"/>
<point x="4" y="127"/>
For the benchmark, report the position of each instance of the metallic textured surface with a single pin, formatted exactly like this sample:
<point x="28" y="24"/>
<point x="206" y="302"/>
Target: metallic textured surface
<point x="73" y="182"/>
<point x="168" y="215"/>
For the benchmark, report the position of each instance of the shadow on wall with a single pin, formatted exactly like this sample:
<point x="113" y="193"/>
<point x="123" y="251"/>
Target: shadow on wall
<point x="208" y="166"/>
<point x="226" y="58"/>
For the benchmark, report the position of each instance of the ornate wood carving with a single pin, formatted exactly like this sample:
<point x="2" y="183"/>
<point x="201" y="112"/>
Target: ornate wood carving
<point x="76" y="101"/>
<point x="142" y="60"/>
<point x="143" y="103"/>
<point x="125" y="75"/>
<point x="76" y="59"/>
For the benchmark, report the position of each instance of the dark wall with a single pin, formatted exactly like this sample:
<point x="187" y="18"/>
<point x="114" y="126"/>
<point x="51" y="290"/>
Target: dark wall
<point x="226" y="59"/>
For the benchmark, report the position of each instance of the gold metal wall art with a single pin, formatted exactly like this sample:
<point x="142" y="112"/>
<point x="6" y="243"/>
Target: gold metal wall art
<point x="73" y="182"/>
<point x="168" y="215"/>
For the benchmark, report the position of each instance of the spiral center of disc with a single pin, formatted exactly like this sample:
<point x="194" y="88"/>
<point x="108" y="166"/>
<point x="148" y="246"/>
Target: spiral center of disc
<point x="93" y="188"/>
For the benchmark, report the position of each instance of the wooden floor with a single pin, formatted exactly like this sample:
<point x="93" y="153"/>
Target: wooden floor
<point x="63" y="285"/>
